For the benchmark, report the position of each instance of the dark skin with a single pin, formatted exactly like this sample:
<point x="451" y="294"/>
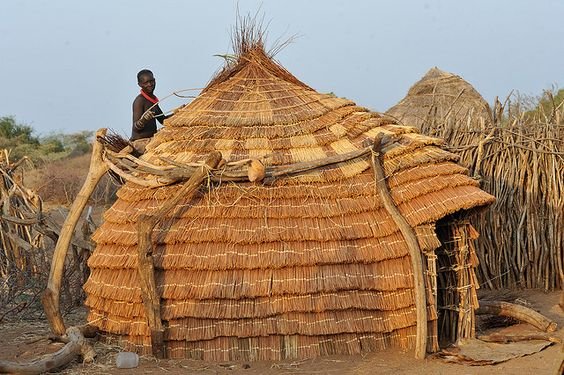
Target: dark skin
<point x="144" y="121"/>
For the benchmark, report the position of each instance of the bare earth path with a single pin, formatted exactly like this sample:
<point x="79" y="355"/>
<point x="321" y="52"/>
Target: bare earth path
<point x="25" y="340"/>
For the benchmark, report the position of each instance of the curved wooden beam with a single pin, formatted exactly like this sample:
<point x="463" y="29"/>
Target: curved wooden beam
<point x="51" y="296"/>
<point x="412" y="244"/>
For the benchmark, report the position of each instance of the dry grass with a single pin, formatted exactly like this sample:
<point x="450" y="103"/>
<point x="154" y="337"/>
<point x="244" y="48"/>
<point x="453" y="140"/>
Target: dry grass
<point x="59" y="182"/>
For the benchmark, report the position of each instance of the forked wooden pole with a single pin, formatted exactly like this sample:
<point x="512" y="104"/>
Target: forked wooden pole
<point x="146" y="267"/>
<point x="412" y="244"/>
<point x="50" y="298"/>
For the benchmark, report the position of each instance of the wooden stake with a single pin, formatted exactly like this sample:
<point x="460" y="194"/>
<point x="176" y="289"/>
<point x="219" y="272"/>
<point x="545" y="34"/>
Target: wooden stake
<point x="146" y="267"/>
<point x="50" y="298"/>
<point x="412" y="244"/>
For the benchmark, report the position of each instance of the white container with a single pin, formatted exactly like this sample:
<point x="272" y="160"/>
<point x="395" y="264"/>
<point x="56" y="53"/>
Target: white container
<point x="127" y="360"/>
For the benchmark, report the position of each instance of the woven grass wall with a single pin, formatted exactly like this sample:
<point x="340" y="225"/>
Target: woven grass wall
<point x="519" y="158"/>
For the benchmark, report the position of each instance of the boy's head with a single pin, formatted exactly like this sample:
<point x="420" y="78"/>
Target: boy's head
<point x="146" y="81"/>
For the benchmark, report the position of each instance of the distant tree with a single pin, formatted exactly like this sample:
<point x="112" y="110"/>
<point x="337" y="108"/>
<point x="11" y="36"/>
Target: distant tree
<point x="10" y="129"/>
<point x="79" y="143"/>
<point x="20" y="140"/>
<point x="546" y="105"/>
<point x="550" y="99"/>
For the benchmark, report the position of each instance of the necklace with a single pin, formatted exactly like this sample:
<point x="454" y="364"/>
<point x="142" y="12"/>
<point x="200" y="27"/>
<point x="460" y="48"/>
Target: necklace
<point x="153" y="100"/>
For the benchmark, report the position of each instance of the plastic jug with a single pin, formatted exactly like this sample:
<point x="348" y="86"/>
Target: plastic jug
<point x="127" y="360"/>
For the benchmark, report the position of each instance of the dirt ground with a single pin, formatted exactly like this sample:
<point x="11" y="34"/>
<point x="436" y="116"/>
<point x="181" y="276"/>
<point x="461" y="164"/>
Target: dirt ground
<point x="24" y="341"/>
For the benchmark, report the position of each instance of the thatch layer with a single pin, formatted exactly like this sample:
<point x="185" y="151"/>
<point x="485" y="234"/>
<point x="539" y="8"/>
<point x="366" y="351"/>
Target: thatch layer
<point x="274" y="347"/>
<point x="305" y="265"/>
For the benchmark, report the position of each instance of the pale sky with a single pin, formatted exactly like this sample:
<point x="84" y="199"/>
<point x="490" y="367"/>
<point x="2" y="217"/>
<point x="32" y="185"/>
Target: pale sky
<point x="70" y="65"/>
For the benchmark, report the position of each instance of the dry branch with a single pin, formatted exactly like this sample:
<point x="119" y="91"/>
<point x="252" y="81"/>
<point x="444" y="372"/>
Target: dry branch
<point x="75" y="346"/>
<point x="518" y="312"/>
<point x="497" y="337"/>
<point x="145" y="174"/>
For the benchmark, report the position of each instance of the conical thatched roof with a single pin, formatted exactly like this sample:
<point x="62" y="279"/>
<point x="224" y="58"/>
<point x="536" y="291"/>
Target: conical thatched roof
<point x="306" y="265"/>
<point x="444" y="98"/>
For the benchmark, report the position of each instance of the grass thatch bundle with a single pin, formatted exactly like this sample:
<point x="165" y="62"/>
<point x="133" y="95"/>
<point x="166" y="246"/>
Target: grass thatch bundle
<point x="519" y="158"/>
<point x="302" y="265"/>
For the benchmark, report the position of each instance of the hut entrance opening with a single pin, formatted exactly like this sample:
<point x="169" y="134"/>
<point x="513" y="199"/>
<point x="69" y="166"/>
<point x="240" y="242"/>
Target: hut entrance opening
<point x="456" y="282"/>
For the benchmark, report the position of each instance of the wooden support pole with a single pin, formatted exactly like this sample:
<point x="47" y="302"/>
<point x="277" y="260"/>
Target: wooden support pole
<point x="50" y="298"/>
<point x="412" y="244"/>
<point x="146" y="268"/>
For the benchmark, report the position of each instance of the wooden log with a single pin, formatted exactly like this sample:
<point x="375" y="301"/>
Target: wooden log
<point x="76" y="345"/>
<point x="518" y="312"/>
<point x="497" y="337"/>
<point x="168" y="176"/>
<point x="48" y="227"/>
<point x="50" y="298"/>
<point x="284" y="170"/>
<point x="87" y="330"/>
<point x="413" y="245"/>
<point x="146" y="268"/>
<point x="146" y="182"/>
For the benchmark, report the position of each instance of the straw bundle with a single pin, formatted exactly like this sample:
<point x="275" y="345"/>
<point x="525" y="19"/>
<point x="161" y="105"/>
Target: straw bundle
<point x="305" y="264"/>
<point x="519" y="160"/>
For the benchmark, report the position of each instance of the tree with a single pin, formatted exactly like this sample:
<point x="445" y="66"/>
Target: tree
<point x="546" y="106"/>
<point x="10" y="129"/>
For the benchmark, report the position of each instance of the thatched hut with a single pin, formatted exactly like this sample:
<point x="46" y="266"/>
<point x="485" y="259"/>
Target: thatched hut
<point x="518" y="159"/>
<point x="438" y="101"/>
<point x="300" y="264"/>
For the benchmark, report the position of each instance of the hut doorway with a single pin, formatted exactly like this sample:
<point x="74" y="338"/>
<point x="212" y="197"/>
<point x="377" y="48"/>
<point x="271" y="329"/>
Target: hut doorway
<point x="456" y="279"/>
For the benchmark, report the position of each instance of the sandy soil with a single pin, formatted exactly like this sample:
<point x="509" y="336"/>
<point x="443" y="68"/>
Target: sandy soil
<point x="27" y="340"/>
